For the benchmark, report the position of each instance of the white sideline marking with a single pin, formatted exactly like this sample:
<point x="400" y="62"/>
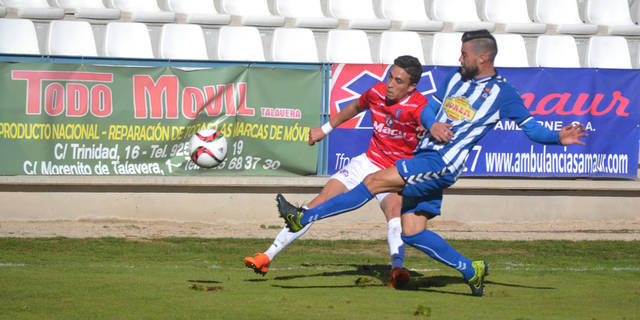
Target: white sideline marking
<point x="11" y="264"/>
<point x="424" y="270"/>
<point x="523" y="268"/>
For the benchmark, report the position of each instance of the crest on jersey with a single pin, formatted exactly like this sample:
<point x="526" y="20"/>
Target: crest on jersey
<point x="486" y="93"/>
<point x="389" y="121"/>
<point x="398" y="113"/>
<point x="458" y="108"/>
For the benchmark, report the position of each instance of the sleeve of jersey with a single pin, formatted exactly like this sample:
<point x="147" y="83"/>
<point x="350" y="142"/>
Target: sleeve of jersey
<point x="539" y="133"/>
<point x="514" y="109"/>
<point x="429" y="112"/>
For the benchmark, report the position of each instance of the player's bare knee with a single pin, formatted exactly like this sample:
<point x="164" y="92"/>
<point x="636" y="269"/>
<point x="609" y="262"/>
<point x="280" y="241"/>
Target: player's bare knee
<point x="391" y="206"/>
<point x="413" y="223"/>
<point x="368" y="180"/>
<point x="410" y="230"/>
<point x="373" y="183"/>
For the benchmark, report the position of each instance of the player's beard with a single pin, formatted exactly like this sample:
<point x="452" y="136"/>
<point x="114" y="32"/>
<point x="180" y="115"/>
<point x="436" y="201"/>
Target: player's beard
<point x="469" y="72"/>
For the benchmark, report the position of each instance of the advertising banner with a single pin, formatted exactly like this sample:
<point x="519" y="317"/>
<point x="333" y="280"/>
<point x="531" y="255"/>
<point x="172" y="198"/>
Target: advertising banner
<point x="606" y="101"/>
<point x="63" y="119"/>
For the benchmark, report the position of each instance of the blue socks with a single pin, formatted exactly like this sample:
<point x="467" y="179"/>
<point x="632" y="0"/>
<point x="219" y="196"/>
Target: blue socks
<point x="341" y="203"/>
<point x="426" y="241"/>
<point x="437" y="248"/>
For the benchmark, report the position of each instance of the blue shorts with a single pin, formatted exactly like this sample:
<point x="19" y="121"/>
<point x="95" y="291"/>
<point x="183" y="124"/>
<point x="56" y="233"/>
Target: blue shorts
<point x="425" y="176"/>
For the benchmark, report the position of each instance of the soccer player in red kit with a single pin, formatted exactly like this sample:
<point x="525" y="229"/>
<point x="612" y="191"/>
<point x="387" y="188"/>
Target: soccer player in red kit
<point x="395" y="108"/>
<point x="468" y="105"/>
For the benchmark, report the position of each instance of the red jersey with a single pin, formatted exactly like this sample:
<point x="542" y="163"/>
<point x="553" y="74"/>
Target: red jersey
<point x="394" y="126"/>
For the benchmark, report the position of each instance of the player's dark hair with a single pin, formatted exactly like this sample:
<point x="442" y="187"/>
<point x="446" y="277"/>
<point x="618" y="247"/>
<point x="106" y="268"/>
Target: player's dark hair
<point x="483" y="41"/>
<point x="411" y="65"/>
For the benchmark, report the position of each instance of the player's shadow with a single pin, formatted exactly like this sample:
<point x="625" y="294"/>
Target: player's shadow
<point x="380" y="271"/>
<point x="432" y="284"/>
<point x="418" y="281"/>
<point x="515" y="285"/>
<point x="355" y="285"/>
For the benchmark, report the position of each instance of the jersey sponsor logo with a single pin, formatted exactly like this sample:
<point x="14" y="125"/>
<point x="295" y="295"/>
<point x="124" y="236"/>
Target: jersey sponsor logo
<point x="385" y="130"/>
<point x="458" y="108"/>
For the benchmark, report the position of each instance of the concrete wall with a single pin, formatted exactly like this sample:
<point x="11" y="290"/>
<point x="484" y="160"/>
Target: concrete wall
<point x="235" y="200"/>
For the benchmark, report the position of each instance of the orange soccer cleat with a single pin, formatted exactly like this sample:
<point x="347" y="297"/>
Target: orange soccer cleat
<point x="259" y="263"/>
<point x="399" y="277"/>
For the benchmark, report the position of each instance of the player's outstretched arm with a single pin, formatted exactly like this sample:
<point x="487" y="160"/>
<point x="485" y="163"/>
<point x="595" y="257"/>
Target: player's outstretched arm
<point x="571" y="134"/>
<point x="318" y="133"/>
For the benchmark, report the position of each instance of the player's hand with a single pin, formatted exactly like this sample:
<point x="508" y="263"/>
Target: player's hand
<point x="572" y="133"/>
<point x="420" y="132"/>
<point x="441" y="131"/>
<point x="316" y="134"/>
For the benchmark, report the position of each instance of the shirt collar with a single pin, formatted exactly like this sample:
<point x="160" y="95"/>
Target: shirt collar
<point x="404" y="101"/>
<point x="485" y="79"/>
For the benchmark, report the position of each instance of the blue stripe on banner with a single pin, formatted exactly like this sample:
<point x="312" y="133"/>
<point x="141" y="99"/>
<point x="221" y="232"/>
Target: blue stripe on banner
<point x="606" y="101"/>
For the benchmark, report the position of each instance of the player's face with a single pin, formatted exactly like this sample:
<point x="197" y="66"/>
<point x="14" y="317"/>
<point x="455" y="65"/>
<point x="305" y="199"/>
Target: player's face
<point x="468" y="61"/>
<point x="399" y="84"/>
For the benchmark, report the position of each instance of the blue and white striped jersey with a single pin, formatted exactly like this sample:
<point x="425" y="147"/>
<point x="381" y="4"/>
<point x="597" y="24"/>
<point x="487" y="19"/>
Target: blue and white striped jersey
<point x="473" y="107"/>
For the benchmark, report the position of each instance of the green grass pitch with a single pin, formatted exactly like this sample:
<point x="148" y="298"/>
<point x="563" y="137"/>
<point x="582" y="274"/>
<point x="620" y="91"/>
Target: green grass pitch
<point x="185" y="278"/>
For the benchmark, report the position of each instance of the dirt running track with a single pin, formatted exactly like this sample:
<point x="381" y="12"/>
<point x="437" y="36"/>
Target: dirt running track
<point x="90" y="228"/>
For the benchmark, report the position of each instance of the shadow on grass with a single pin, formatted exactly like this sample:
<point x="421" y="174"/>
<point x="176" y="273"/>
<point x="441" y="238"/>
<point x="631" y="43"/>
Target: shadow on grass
<point x="513" y="285"/>
<point x="381" y="272"/>
<point x="330" y="287"/>
<point x="378" y="271"/>
<point x="442" y="281"/>
<point x="428" y="285"/>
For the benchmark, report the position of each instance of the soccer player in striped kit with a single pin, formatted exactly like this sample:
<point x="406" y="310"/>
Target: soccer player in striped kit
<point x="468" y="104"/>
<point x="395" y="108"/>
